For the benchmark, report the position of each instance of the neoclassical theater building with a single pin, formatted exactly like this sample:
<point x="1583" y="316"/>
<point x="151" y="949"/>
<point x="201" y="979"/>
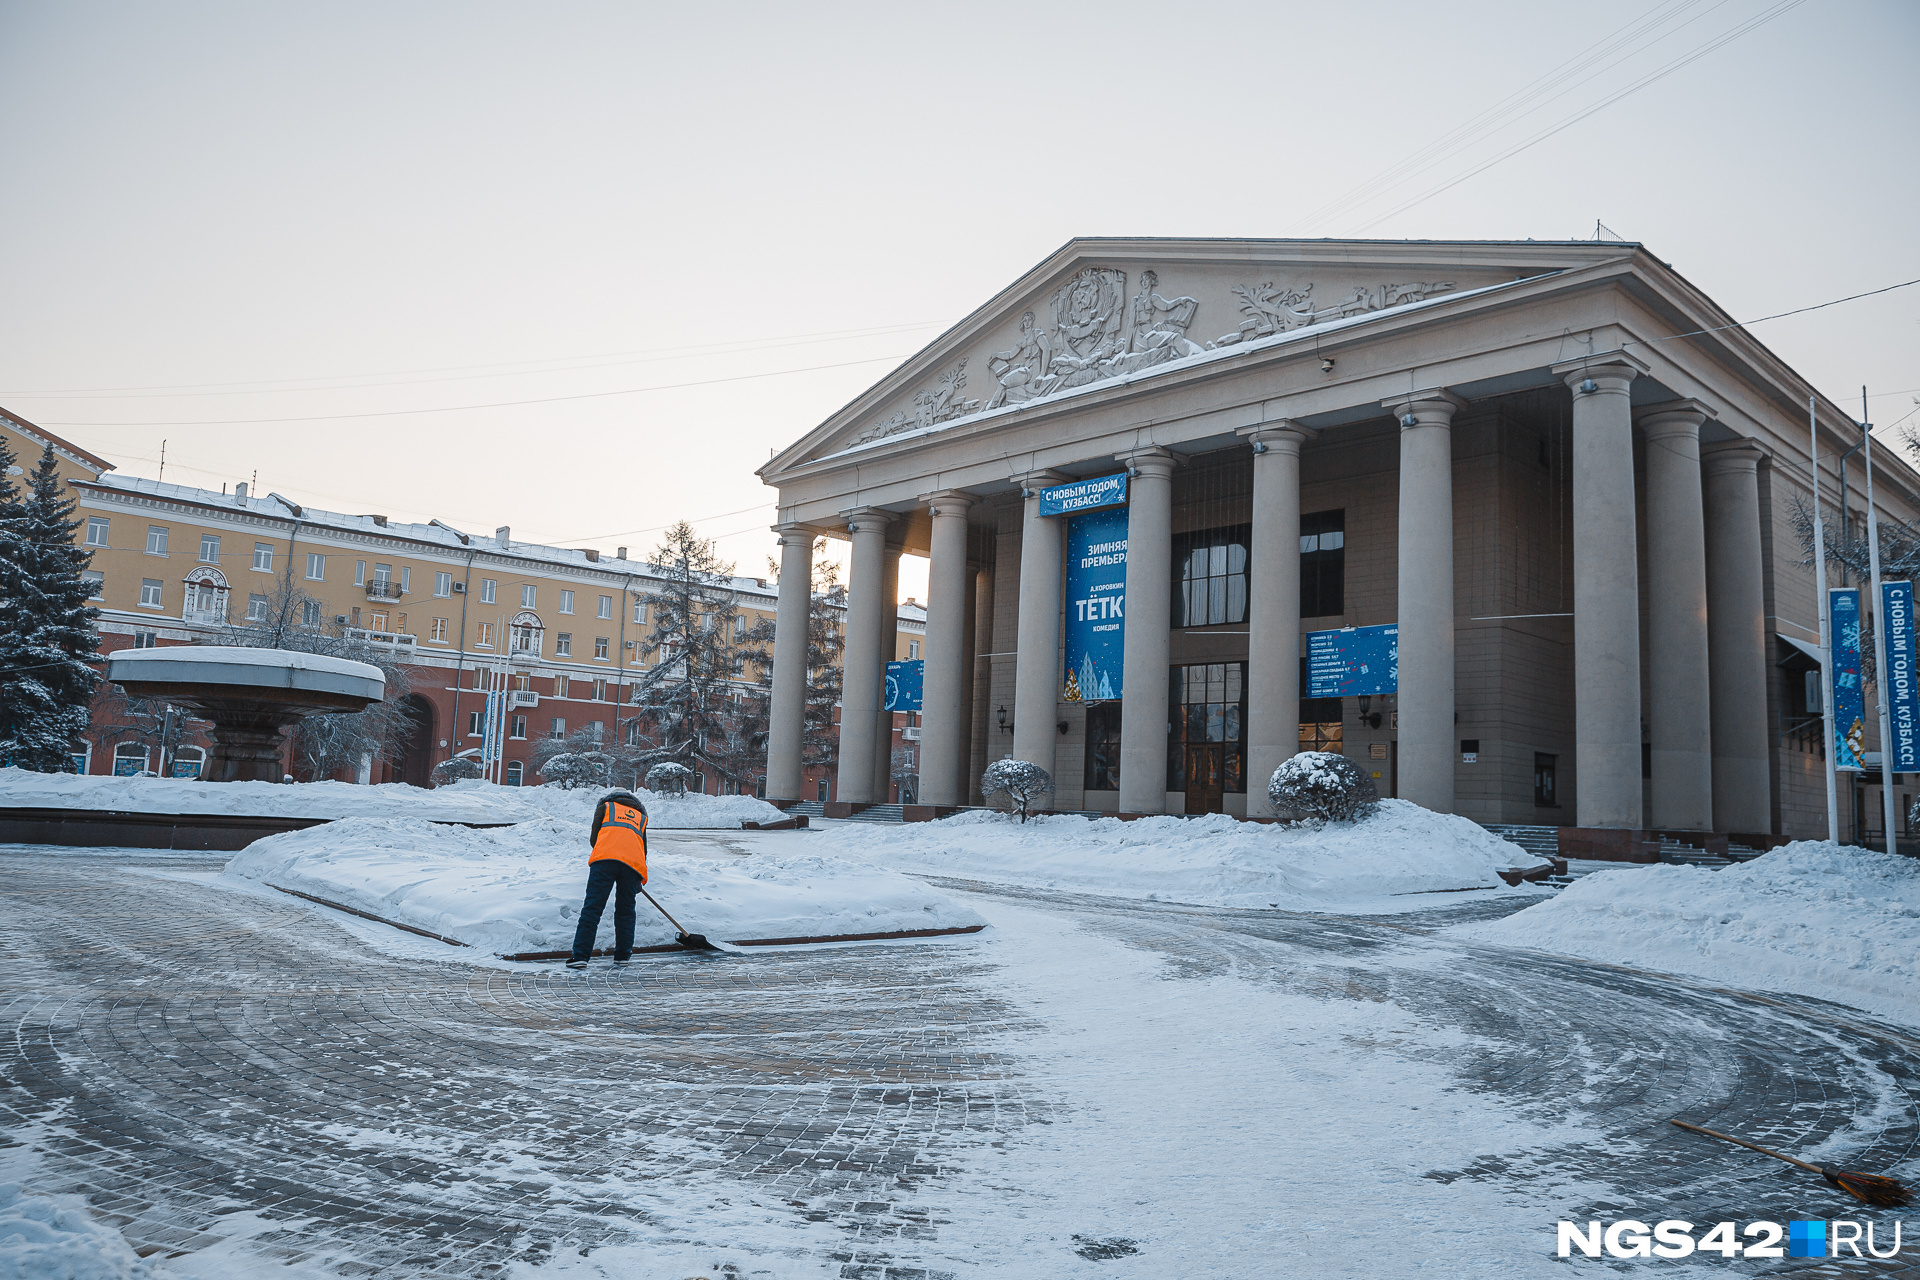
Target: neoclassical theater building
<point x="1564" y="474"/>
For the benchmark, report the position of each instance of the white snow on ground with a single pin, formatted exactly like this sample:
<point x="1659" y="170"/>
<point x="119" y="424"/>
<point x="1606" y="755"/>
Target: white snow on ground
<point x="42" y="1238"/>
<point x="1372" y="865"/>
<point x="1811" y="917"/>
<point x="511" y="890"/>
<point x="466" y="801"/>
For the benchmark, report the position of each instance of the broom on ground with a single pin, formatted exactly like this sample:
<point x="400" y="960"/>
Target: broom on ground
<point x="1870" y="1188"/>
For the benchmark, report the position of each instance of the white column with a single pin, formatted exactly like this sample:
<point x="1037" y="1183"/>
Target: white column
<point x="1273" y="608"/>
<point x="889" y="651"/>
<point x="946" y="720"/>
<point x="861" y="667"/>
<point x="1678" y="723"/>
<point x="786" y="717"/>
<point x="1737" y="636"/>
<point x="1148" y="653"/>
<point x="982" y="667"/>
<point x="1036" y="667"/>
<point x="1425" y="609"/>
<point x="1606" y="593"/>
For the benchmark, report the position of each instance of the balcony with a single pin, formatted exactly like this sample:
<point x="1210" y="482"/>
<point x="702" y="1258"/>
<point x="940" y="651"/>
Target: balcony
<point x="910" y="733"/>
<point x="204" y="617"/>
<point x="522" y="698"/>
<point x="399" y="643"/>
<point x="381" y="589"/>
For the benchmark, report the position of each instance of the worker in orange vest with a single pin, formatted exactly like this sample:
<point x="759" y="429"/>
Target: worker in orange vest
<point x="618" y="862"/>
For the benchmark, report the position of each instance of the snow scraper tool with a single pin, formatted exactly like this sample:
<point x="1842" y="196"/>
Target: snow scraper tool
<point x="691" y="941"/>
<point x="1870" y="1188"/>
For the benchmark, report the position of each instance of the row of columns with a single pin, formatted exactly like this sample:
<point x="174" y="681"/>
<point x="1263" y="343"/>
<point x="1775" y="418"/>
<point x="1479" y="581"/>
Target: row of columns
<point x="1705" y="616"/>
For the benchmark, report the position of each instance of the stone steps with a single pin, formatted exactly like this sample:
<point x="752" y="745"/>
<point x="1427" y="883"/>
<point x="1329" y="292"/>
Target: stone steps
<point x="1542" y="842"/>
<point x="879" y="813"/>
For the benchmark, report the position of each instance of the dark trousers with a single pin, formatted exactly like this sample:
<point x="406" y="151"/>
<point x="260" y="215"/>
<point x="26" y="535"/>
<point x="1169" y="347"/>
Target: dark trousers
<point x="603" y="876"/>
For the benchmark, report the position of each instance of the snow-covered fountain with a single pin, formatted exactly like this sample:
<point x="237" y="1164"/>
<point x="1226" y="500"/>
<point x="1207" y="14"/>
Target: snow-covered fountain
<point x="250" y="695"/>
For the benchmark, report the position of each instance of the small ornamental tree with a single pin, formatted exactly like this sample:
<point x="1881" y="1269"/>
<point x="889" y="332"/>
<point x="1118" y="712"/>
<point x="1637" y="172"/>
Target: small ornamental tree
<point x="455" y="770"/>
<point x="48" y="643"/>
<point x="1021" y="781"/>
<point x="575" y="769"/>
<point x="1323" y="785"/>
<point x="668" y="779"/>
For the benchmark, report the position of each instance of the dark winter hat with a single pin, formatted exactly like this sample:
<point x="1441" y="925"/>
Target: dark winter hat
<point x="624" y="797"/>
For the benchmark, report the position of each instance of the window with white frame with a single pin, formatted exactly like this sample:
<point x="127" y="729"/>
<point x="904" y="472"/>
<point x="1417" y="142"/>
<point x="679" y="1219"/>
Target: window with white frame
<point x="97" y="531"/>
<point x="566" y="601"/>
<point x="443" y="584"/>
<point x="518" y="728"/>
<point x="563" y="644"/>
<point x="156" y="539"/>
<point x="489" y="591"/>
<point x="146" y="640"/>
<point x="528" y="593"/>
<point x="606" y="607"/>
<point x="256" y="607"/>
<point x="209" y="548"/>
<point x="515" y="772"/>
<point x="560" y="689"/>
<point x="557" y="727"/>
<point x="913" y="650"/>
<point x="639" y="610"/>
<point x="316" y="567"/>
<point x="473" y="721"/>
<point x="739" y="627"/>
<point x="263" y="556"/>
<point x="439" y="633"/>
<point x="150" y="593"/>
<point x="482" y="639"/>
<point x="96" y="583"/>
<point x="599" y="690"/>
<point x="359" y="573"/>
<point x="310" y="613"/>
<point x="600" y="647"/>
<point x="383" y="576"/>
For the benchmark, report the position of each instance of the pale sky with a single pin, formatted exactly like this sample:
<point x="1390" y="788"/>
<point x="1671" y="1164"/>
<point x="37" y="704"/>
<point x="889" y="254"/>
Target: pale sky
<point x="248" y="213"/>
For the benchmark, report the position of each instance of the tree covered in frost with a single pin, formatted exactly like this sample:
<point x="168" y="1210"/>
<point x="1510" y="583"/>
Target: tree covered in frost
<point x="324" y="745"/>
<point x="698" y="651"/>
<point x="48" y="643"/>
<point x="1324" y="785"/>
<point x="826" y="637"/>
<point x="668" y="778"/>
<point x="581" y="759"/>
<point x="1021" y="781"/>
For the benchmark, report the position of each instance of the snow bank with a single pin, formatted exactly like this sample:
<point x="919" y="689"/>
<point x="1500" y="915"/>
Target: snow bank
<point x="1811" y="917"/>
<point x="516" y="804"/>
<point x="469" y="800"/>
<point x="517" y="889"/>
<point x="1214" y="861"/>
<point x="40" y="1239"/>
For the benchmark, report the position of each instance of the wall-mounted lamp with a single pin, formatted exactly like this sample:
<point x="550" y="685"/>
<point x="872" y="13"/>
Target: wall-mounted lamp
<point x="1368" y="716"/>
<point x="1004" y="726"/>
<point x="1588" y="387"/>
<point x="1063" y="728"/>
<point x="1259" y="446"/>
<point x="1408" y="420"/>
<point x="1026" y="493"/>
<point x="1326" y="364"/>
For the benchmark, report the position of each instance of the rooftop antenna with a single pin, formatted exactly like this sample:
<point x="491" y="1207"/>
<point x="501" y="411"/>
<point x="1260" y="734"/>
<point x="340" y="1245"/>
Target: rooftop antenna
<point x="163" y="462"/>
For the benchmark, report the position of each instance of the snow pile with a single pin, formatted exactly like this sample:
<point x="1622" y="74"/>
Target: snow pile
<point x="517" y="889"/>
<point x="39" y="1240"/>
<point x="517" y="804"/>
<point x="1216" y="860"/>
<point x="21" y="788"/>
<point x="1811" y="917"/>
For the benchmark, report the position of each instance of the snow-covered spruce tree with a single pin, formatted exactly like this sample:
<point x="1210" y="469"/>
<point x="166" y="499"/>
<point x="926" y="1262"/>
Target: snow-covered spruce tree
<point x="1324" y="785"/>
<point x="699" y="648"/>
<point x="48" y="643"/>
<point x="325" y="745"/>
<point x="826" y="637"/>
<point x="1021" y="781"/>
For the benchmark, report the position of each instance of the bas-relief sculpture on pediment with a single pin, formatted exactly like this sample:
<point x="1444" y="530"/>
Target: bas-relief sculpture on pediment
<point x="1098" y="333"/>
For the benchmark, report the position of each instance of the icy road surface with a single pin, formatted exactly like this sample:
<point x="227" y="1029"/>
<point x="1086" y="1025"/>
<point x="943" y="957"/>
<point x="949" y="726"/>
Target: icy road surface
<point x="244" y="1085"/>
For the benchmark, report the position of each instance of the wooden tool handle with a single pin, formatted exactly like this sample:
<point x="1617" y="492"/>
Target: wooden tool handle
<point x="1727" y="1137"/>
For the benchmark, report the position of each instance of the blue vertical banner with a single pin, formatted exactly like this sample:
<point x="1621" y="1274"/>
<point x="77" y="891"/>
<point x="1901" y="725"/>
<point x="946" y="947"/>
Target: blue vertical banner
<point x="1848" y="701"/>
<point x="1096" y="604"/>
<point x="1903" y="700"/>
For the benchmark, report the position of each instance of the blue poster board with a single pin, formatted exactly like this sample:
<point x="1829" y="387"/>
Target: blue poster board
<point x="1353" y="661"/>
<point x="1903" y="699"/>
<point x="1848" y="700"/>
<point x="1096" y="605"/>
<point x="904" y="684"/>
<point x="1084" y="495"/>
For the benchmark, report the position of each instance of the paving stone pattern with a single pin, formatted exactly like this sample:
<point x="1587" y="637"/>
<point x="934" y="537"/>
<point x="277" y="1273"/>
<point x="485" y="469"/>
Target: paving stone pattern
<point x="181" y="1054"/>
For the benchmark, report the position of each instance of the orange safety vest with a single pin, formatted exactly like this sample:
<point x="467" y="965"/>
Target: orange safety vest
<point x="623" y="836"/>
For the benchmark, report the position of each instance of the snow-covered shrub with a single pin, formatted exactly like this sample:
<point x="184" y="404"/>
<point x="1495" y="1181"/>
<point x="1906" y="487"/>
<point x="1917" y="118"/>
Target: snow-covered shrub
<point x="1021" y="781"/>
<point x="573" y="769"/>
<point x="668" y="778"/>
<point x="450" y="771"/>
<point x="1321" y="784"/>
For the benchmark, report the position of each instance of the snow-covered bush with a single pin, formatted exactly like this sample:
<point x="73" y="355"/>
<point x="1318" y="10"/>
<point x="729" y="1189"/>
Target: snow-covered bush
<point x="572" y="769"/>
<point x="451" y="771"/>
<point x="1321" y="784"/>
<point x="1021" y="781"/>
<point x="668" y="778"/>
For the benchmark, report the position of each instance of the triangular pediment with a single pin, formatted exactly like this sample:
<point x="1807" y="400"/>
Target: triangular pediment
<point x="1099" y="310"/>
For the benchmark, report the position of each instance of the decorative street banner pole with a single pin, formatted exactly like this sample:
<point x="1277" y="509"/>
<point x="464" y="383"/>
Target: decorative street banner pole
<point x="1903" y="700"/>
<point x="905" y="682"/>
<point x="1846" y="697"/>
<point x="1096" y="583"/>
<point x="1353" y="661"/>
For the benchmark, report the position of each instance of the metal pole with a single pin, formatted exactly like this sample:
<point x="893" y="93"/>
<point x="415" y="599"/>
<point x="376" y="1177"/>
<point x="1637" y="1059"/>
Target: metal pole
<point x="1826" y="624"/>
<point x="1879" y="636"/>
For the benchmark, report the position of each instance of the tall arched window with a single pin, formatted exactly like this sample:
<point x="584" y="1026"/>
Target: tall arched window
<point x="206" y="596"/>
<point x="515" y="770"/>
<point x="526" y="633"/>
